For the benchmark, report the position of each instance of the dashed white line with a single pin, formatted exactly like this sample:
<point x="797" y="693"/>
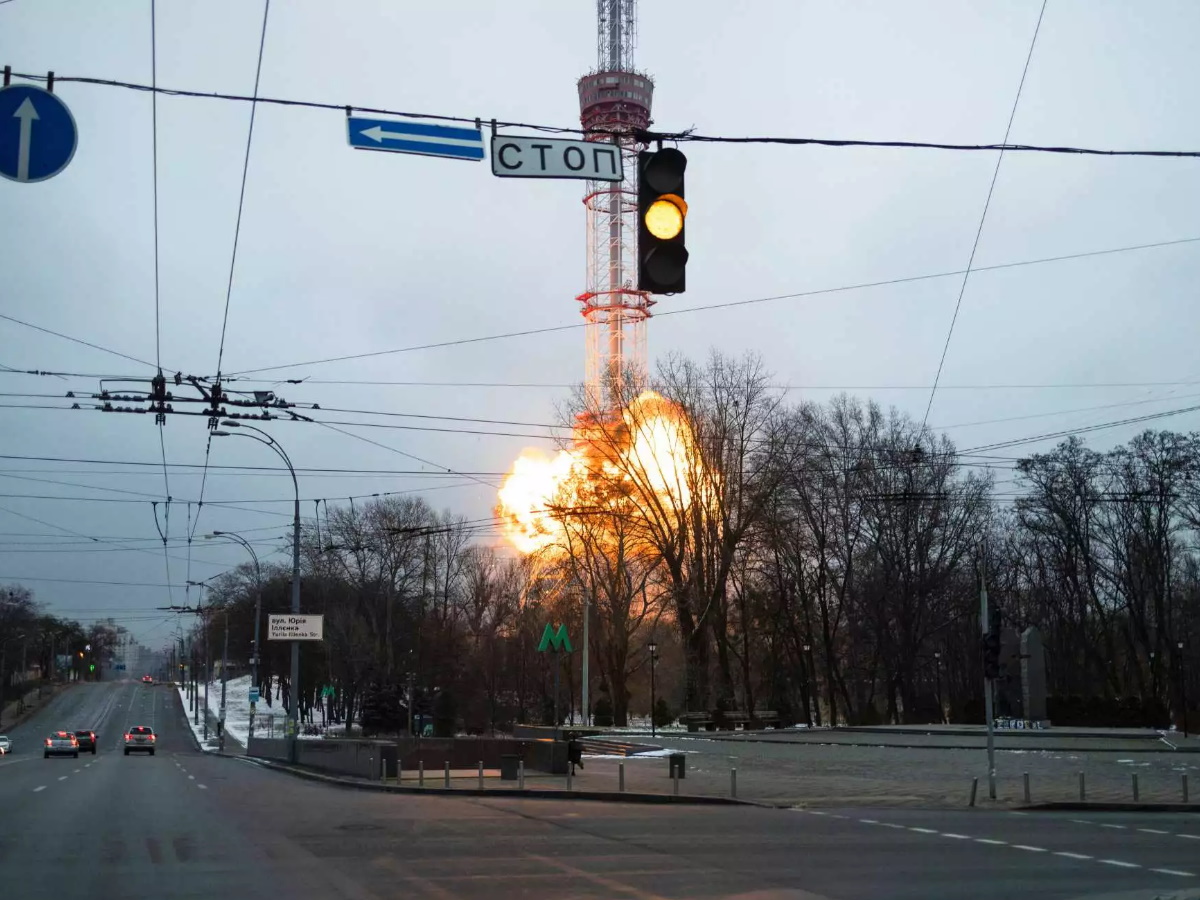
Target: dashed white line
<point x="63" y="777"/>
<point x="77" y="771"/>
<point x="836" y="816"/>
<point x="1153" y="831"/>
<point x="1110" y="825"/>
<point x="1069" y="855"/>
<point x="41" y="787"/>
<point x="869" y="821"/>
<point x="957" y="837"/>
<point x="922" y="830"/>
<point x="191" y="778"/>
<point x="1194" y="837"/>
<point x="1029" y="848"/>
<point x="993" y="841"/>
<point x="1121" y="863"/>
<point x="1174" y="872"/>
<point x="891" y="825"/>
<point x="203" y="787"/>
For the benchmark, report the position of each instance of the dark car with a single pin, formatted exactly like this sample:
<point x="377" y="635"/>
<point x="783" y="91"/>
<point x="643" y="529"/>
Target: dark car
<point x="87" y="741"/>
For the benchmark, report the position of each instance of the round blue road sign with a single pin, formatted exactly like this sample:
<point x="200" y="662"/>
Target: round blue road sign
<point x="37" y="133"/>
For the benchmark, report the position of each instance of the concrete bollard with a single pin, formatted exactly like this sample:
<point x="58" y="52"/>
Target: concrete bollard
<point x="733" y="781"/>
<point x="481" y="775"/>
<point x="446" y="775"/>
<point x="420" y="773"/>
<point x="1135" y="787"/>
<point x="521" y="774"/>
<point x="675" y="782"/>
<point x="974" y="790"/>
<point x="1082" y="789"/>
<point x="399" y="771"/>
<point x="621" y="776"/>
<point x="1026" y="787"/>
<point x="1183" y="785"/>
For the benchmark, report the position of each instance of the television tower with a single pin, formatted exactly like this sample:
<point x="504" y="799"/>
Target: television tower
<point x="614" y="98"/>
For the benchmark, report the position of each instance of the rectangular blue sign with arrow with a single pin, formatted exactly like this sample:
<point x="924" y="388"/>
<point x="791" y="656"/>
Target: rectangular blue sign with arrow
<point x="424" y="139"/>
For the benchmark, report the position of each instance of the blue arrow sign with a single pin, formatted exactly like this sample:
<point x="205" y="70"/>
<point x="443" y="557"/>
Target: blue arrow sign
<point x="415" y="137"/>
<point x="37" y="133"/>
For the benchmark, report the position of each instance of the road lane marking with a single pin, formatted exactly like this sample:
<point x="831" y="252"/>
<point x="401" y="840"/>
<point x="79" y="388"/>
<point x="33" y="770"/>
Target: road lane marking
<point x="1121" y="863"/>
<point x="1030" y="849"/>
<point x="1174" y="872"/>
<point x="191" y="778"/>
<point x="63" y="777"/>
<point x="41" y="787"/>
<point x="1110" y="825"/>
<point x="891" y="825"/>
<point x="957" y="837"/>
<point x="1069" y="855"/>
<point x="1194" y="837"/>
<point x="869" y="821"/>
<point x="1153" y="831"/>
<point x="77" y="771"/>
<point x="203" y="787"/>
<point x="993" y="841"/>
<point x="922" y="830"/>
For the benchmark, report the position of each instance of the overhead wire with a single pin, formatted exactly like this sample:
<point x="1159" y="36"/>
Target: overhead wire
<point x="962" y="288"/>
<point x="161" y="421"/>
<point x="643" y="136"/>
<point x="237" y="230"/>
<point x="794" y="295"/>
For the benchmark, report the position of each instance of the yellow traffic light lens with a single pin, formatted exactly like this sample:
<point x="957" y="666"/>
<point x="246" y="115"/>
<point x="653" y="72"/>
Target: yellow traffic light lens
<point x="664" y="218"/>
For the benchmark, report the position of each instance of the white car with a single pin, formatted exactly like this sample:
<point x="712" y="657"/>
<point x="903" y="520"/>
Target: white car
<point x="5" y="744"/>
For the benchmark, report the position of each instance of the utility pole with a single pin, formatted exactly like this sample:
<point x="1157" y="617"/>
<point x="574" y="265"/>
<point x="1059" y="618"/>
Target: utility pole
<point x="587" y="710"/>
<point x="224" y="679"/>
<point x="988" y="715"/>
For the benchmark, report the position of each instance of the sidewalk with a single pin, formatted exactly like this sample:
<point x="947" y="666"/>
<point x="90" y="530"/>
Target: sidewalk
<point x="13" y="715"/>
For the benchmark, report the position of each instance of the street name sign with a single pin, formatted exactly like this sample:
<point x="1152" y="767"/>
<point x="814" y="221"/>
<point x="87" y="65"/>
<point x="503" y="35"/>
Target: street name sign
<point x="421" y="138"/>
<point x="535" y="157"/>
<point x="37" y="133"/>
<point x="296" y="628"/>
<point x="253" y="695"/>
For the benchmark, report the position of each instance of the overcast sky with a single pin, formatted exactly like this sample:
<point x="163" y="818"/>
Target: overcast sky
<point x="344" y="252"/>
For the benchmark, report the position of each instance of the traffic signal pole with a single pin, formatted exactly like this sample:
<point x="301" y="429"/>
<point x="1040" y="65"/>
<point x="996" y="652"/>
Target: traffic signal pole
<point x="987" y="683"/>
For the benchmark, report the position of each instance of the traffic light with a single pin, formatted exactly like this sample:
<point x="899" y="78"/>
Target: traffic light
<point x="662" y="256"/>
<point x="92" y="667"/>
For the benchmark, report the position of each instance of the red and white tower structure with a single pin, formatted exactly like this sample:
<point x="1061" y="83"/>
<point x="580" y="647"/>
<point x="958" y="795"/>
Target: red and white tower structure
<point x="614" y="99"/>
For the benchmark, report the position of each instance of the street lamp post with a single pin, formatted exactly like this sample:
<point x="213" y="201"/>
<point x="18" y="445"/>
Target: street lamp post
<point x="937" y="682"/>
<point x="257" y="618"/>
<point x="1183" y="698"/>
<point x="294" y="712"/>
<point x="653" y="698"/>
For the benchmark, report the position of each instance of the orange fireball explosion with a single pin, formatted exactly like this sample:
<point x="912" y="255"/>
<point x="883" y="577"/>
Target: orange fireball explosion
<point x="651" y="450"/>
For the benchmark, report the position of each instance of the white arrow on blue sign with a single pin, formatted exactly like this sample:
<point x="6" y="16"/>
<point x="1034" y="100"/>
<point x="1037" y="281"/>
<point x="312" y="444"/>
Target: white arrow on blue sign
<point x="415" y="137"/>
<point x="37" y="133"/>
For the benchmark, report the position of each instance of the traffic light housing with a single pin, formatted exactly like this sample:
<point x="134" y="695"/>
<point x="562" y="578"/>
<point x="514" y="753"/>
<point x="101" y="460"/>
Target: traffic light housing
<point x="662" y="211"/>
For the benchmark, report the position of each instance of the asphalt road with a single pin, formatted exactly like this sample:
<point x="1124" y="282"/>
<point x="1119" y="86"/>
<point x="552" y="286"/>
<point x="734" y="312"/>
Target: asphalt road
<point x="184" y="824"/>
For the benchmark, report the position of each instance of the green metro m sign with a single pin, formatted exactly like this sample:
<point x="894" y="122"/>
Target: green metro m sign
<point x="555" y="640"/>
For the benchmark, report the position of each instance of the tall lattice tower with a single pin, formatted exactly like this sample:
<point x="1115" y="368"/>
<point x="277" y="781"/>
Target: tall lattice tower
<point x="615" y="99"/>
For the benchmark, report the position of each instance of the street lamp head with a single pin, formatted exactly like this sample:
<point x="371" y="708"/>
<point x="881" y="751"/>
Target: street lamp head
<point x="219" y="433"/>
<point x="653" y="647"/>
<point x="230" y="423"/>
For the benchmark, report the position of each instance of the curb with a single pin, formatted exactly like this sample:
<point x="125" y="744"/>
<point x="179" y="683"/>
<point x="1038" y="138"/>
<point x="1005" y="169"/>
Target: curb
<point x="897" y="746"/>
<point x="528" y="793"/>
<point x="1116" y="806"/>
